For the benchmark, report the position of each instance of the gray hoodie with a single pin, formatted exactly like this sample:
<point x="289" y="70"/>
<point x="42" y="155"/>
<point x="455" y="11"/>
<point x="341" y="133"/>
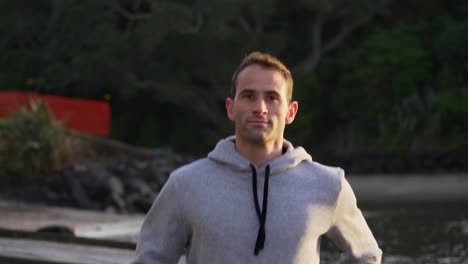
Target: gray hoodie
<point x="208" y="210"/>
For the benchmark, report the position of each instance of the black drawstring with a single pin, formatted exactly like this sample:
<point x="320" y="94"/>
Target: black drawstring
<point x="260" y="213"/>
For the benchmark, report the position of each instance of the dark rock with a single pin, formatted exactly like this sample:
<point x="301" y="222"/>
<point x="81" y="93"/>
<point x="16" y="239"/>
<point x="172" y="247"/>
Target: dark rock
<point x="77" y="192"/>
<point x="118" y="203"/>
<point x="114" y="185"/>
<point x="139" y="186"/>
<point x="57" y="229"/>
<point x="140" y="203"/>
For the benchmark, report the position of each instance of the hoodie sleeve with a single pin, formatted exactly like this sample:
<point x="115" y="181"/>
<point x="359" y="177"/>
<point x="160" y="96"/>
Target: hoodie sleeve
<point x="350" y="231"/>
<point x="164" y="233"/>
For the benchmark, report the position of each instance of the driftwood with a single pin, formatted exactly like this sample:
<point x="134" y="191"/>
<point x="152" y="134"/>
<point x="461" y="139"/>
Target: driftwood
<point x="37" y="251"/>
<point x="30" y="248"/>
<point x="80" y="223"/>
<point x="31" y="234"/>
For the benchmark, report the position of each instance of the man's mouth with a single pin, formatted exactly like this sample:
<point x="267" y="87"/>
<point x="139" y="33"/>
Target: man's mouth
<point x="257" y="121"/>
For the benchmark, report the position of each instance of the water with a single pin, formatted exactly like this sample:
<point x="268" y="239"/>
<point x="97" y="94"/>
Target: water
<point x="416" y="234"/>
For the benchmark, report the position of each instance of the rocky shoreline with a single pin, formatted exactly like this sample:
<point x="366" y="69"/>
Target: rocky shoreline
<point x="129" y="183"/>
<point x="119" y="184"/>
<point x="386" y="163"/>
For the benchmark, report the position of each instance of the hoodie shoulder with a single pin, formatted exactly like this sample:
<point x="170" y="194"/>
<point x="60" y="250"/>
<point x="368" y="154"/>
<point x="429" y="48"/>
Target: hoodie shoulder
<point x="328" y="175"/>
<point x="330" y="171"/>
<point x="192" y="168"/>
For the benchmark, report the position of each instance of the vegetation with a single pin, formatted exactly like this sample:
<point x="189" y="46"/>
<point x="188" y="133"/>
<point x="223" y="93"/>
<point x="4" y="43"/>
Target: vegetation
<point x="32" y="143"/>
<point x="370" y="75"/>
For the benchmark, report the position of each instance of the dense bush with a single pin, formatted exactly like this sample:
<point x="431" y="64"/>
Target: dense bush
<point x="32" y="143"/>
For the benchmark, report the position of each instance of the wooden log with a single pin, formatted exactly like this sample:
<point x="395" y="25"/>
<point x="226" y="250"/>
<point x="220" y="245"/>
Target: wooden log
<point x="95" y="237"/>
<point x="46" y="251"/>
<point x="82" y="223"/>
<point x="35" y="251"/>
<point x="22" y="247"/>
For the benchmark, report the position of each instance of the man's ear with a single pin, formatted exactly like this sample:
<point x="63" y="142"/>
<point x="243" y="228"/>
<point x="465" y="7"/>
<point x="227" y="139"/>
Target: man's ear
<point x="292" y="111"/>
<point x="230" y="108"/>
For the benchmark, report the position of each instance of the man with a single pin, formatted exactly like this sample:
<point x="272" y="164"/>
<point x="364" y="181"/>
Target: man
<point x="256" y="198"/>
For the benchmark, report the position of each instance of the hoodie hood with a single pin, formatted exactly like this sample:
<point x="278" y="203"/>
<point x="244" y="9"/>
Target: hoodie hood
<point x="225" y="152"/>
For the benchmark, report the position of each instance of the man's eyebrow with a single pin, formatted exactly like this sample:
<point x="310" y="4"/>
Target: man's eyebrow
<point x="268" y="92"/>
<point x="272" y="92"/>
<point x="247" y="90"/>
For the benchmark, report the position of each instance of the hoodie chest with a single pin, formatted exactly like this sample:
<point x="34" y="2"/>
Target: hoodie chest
<point x="222" y="211"/>
<point x="222" y="208"/>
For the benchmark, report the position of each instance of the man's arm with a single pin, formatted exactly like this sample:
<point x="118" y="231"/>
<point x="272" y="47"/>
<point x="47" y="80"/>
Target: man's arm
<point x="350" y="231"/>
<point x="164" y="233"/>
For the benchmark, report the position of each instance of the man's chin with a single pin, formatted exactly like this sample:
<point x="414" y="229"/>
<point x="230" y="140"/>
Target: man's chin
<point x="257" y="138"/>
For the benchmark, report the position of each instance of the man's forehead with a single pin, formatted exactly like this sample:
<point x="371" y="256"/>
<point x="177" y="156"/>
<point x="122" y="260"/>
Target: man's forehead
<point x="258" y="68"/>
<point x="255" y="74"/>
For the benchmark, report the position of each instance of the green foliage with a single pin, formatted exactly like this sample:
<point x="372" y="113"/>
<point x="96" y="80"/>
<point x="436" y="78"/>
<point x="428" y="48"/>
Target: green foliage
<point x="401" y="89"/>
<point x="393" y="65"/>
<point x="451" y="80"/>
<point x="450" y="50"/>
<point x="32" y="143"/>
<point x="396" y="81"/>
<point x="307" y="93"/>
<point x="453" y="111"/>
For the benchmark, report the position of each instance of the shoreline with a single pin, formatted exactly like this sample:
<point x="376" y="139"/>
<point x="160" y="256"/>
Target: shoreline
<point x="378" y="189"/>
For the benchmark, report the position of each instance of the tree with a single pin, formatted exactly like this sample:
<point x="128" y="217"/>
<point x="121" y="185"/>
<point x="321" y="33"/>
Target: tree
<point x="328" y="23"/>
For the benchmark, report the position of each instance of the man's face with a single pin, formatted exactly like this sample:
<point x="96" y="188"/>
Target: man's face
<point x="260" y="108"/>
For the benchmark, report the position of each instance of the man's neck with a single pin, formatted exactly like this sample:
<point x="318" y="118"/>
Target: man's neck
<point x="260" y="153"/>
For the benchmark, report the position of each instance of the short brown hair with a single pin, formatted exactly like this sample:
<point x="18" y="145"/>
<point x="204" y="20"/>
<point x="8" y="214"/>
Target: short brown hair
<point x="267" y="61"/>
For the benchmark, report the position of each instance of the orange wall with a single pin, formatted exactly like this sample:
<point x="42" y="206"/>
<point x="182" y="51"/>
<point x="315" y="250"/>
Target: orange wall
<point x="88" y="116"/>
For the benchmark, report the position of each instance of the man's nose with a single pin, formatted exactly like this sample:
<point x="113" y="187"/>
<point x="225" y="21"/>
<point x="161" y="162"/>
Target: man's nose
<point x="260" y="106"/>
